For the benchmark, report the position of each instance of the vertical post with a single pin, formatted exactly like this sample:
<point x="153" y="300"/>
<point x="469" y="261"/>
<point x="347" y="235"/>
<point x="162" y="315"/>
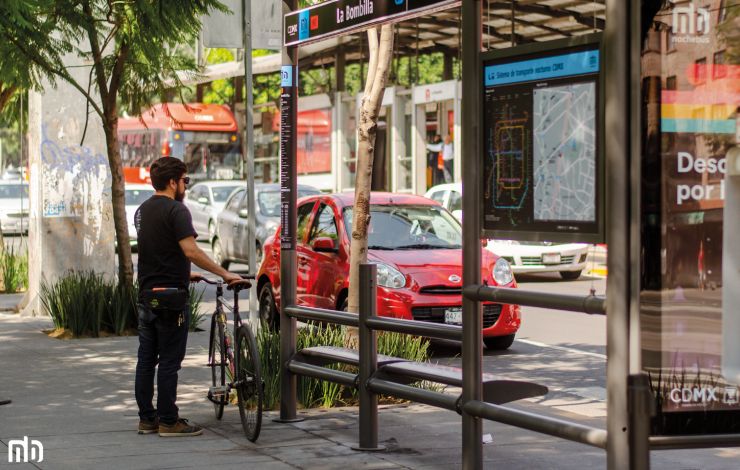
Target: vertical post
<point x="640" y="404"/>
<point x="617" y="149"/>
<point x="288" y="186"/>
<point x="640" y="410"/>
<point x="368" y="359"/>
<point x="249" y="140"/>
<point x="472" y="429"/>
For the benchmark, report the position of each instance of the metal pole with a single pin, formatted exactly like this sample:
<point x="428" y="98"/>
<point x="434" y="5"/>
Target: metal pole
<point x="640" y="410"/>
<point x="249" y="139"/>
<point x="288" y="186"/>
<point x="617" y="150"/>
<point x="368" y="359"/>
<point x="641" y="406"/>
<point x="472" y="428"/>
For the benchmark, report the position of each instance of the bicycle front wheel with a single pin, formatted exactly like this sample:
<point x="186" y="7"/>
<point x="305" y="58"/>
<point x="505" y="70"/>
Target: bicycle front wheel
<point x="218" y="367"/>
<point x="249" y="387"/>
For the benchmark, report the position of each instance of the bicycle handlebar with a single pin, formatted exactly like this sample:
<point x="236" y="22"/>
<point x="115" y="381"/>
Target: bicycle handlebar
<point x="238" y="285"/>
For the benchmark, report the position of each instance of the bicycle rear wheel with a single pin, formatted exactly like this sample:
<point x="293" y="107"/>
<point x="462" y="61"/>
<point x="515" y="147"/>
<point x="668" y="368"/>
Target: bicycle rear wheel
<point x="249" y="387"/>
<point x="218" y="366"/>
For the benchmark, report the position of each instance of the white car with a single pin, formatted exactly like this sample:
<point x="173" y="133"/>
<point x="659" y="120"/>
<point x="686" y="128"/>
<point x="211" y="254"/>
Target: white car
<point x="206" y="200"/>
<point x="568" y="259"/>
<point x="14" y="206"/>
<point x="135" y="195"/>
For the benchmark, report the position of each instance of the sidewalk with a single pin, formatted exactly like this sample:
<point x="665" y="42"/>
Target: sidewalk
<point x="76" y="398"/>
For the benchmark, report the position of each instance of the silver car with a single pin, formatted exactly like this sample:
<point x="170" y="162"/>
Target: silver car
<point x="14" y="206"/>
<point x="230" y="242"/>
<point x="205" y="201"/>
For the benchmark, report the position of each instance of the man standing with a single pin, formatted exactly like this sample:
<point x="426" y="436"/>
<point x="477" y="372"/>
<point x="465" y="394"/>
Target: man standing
<point x="166" y="240"/>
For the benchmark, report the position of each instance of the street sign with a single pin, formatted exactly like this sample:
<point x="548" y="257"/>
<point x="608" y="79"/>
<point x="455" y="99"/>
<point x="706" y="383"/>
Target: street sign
<point x="338" y="17"/>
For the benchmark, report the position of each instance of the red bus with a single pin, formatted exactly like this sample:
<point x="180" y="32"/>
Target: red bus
<point x="204" y="136"/>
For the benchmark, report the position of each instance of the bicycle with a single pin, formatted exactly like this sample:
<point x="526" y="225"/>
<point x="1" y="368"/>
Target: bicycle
<point x="244" y="369"/>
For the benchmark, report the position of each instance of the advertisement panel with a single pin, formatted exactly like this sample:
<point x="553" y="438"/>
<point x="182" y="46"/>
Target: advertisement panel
<point x="691" y="91"/>
<point x="542" y="131"/>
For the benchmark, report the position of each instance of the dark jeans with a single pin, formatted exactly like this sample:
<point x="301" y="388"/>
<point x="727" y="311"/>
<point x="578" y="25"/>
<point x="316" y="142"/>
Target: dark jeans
<point x="162" y="340"/>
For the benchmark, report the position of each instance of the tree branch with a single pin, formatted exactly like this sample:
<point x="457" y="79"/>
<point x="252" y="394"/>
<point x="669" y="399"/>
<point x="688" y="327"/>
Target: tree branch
<point x="372" y="43"/>
<point x="117" y="73"/>
<point x="92" y="35"/>
<point x="59" y="72"/>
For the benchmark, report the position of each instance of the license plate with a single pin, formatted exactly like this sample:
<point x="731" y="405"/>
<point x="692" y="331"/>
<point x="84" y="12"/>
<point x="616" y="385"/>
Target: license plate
<point x="453" y="316"/>
<point x="551" y="258"/>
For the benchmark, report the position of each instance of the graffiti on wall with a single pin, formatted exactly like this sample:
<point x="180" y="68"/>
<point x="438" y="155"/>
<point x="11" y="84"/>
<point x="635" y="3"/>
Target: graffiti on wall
<point x="76" y="184"/>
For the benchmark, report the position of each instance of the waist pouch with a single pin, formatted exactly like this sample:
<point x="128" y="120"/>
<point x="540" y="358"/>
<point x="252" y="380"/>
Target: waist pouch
<point x="164" y="298"/>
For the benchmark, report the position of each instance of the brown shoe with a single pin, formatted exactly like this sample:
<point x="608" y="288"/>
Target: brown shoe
<point x="148" y="426"/>
<point x="180" y="429"/>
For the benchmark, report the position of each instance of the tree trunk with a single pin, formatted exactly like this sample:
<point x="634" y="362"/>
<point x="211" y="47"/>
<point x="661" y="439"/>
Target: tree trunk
<point x="381" y="55"/>
<point x="125" y="264"/>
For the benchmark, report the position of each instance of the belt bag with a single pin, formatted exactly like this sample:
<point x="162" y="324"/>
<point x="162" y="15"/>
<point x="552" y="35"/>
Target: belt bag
<point x="165" y="298"/>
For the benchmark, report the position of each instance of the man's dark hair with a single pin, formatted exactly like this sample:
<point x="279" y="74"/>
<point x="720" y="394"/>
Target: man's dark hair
<point x="165" y="169"/>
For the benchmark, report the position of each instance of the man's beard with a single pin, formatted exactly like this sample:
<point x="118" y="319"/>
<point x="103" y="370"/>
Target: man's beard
<point x="180" y="196"/>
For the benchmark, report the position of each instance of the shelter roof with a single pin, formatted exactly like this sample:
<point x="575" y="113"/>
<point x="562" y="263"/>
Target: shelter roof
<point x="533" y="20"/>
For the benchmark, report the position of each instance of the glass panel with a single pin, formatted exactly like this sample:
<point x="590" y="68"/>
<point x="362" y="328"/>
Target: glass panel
<point x="325" y="225"/>
<point x="400" y="227"/>
<point x="690" y="124"/>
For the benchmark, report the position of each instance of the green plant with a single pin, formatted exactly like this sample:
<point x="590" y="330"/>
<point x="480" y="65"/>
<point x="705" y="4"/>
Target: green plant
<point x="268" y="343"/>
<point x="313" y="392"/>
<point x="196" y="314"/>
<point x="121" y="313"/>
<point x="86" y="303"/>
<point x="14" y="267"/>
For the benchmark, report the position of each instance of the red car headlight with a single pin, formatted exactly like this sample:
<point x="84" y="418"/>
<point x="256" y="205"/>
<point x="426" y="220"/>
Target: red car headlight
<point x="389" y="276"/>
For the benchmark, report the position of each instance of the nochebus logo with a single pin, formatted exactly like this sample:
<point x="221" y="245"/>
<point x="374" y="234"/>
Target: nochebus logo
<point x="690" y="20"/>
<point x="20" y="450"/>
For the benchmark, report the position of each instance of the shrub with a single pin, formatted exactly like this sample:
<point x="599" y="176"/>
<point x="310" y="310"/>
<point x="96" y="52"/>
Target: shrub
<point x="314" y="392"/>
<point x="194" y="300"/>
<point x="85" y="303"/>
<point x="14" y="267"/>
<point x="268" y="343"/>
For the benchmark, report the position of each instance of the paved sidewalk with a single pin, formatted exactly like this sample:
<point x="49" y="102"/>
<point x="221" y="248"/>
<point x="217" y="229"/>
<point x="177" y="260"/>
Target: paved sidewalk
<point x="76" y="398"/>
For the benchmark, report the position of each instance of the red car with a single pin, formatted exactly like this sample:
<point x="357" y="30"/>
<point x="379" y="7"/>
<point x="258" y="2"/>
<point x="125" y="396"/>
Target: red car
<point x="416" y="244"/>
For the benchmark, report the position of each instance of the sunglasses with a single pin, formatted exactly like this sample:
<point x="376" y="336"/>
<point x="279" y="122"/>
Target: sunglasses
<point x="186" y="179"/>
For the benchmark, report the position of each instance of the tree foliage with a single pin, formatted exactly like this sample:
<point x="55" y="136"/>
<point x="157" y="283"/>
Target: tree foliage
<point x="134" y="51"/>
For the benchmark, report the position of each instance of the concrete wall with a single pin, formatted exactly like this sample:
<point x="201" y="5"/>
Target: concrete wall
<point x="71" y="216"/>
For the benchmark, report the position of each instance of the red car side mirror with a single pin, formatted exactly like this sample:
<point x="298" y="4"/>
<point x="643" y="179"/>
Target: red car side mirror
<point x="324" y="245"/>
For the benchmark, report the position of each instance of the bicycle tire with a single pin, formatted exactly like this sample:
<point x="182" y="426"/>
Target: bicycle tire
<point x="249" y="388"/>
<point x="217" y="361"/>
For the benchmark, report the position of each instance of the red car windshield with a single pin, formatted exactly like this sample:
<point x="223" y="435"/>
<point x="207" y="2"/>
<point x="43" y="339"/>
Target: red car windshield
<point x="407" y="227"/>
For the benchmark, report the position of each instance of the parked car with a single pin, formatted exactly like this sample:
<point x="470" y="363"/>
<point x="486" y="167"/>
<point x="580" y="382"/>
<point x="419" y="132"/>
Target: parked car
<point x="14" y="207"/>
<point x="135" y="195"/>
<point x="417" y="246"/>
<point x="205" y="201"/>
<point x="229" y="244"/>
<point x="568" y="259"/>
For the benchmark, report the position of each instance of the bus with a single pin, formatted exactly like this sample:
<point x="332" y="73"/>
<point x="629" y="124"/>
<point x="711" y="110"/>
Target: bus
<point x="204" y="136"/>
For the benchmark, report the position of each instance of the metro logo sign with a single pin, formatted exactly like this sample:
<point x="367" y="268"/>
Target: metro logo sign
<point x="337" y="17"/>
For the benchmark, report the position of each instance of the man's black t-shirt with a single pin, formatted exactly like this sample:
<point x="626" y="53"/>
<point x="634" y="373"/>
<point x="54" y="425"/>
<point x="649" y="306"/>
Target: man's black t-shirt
<point x="161" y="222"/>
